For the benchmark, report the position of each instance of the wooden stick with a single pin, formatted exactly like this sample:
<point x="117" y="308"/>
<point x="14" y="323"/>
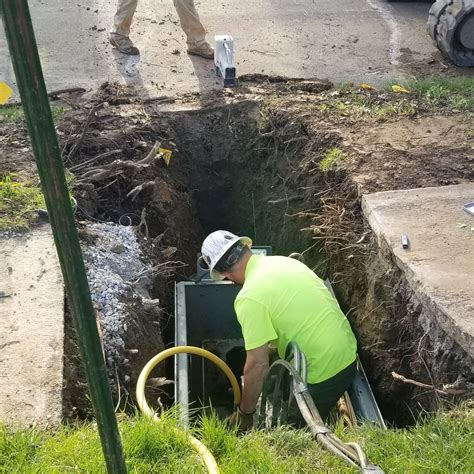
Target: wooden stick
<point x="52" y="95"/>
<point x="98" y="157"/>
<point x="403" y="379"/>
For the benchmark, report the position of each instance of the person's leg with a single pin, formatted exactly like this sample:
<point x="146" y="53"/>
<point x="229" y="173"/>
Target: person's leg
<point x="192" y="27"/>
<point x="326" y="394"/>
<point x="119" y="35"/>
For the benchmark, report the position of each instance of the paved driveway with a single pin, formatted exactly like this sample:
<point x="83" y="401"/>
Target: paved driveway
<point x="358" y="40"/>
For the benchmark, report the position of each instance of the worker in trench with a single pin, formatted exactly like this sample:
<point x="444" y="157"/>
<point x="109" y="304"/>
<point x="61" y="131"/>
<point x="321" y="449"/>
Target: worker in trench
<point x="188" y="16"/>
<point x="282" y="300"/>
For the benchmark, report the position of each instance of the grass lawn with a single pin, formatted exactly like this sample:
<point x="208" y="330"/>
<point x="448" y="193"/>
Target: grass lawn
<point x="442" y="443"/>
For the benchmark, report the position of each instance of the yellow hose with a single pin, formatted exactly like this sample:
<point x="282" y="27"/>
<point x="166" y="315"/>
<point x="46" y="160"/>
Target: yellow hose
<point x="203" y="452"/>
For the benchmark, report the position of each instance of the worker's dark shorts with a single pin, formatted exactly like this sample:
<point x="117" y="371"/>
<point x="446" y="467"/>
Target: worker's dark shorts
<point x="326" y="394"/>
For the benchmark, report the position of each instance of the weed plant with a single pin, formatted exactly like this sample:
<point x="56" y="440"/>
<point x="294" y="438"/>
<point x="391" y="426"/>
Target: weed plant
<point x="18" y="202"/>
<point x="332" y="158"/>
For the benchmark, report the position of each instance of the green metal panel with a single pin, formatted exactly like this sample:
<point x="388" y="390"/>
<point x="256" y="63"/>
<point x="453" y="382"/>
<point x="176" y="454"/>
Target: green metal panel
<point x="24" y="54"/>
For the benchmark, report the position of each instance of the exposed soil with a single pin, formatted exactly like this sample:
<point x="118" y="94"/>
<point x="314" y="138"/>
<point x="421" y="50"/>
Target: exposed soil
<point x="250" y="160"/>
<point x="417" y="152"/>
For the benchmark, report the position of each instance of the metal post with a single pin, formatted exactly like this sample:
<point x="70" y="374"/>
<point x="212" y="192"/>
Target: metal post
<point x="29" y="76"/>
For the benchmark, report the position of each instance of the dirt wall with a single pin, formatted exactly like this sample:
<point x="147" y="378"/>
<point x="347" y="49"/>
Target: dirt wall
<point x="397" y="333"/>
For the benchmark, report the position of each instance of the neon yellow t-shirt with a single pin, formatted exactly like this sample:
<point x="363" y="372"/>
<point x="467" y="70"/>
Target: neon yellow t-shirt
<point x="282" y="300"/>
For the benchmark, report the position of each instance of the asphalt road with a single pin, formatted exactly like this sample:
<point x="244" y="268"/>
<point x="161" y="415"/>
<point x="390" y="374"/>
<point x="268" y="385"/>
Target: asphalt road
<point x="370" y="41"/>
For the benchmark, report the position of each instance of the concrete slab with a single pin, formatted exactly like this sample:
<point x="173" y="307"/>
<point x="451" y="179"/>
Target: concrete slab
<point x="31" y="330"/>
<point x="439" y="263"/>
<point x="372" y="41"/>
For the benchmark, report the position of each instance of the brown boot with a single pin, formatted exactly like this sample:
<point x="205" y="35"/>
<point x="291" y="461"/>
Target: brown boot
<point x="124" y="44"/>
<point x="203" y="50"/>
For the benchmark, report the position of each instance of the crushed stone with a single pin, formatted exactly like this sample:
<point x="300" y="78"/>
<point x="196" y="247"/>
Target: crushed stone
<point x="114" y="264"/>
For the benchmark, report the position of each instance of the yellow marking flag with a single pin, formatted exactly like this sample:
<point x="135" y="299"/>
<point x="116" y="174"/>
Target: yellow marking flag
<point x="167" y="154"/>
<point x="5" y="92"/>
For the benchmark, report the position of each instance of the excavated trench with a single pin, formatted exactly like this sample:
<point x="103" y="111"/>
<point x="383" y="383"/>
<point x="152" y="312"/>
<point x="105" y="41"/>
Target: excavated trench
<point x="254" y="172"/>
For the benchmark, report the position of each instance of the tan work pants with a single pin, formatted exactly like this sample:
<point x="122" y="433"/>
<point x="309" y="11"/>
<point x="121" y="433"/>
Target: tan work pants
<point x="188" y="16"/>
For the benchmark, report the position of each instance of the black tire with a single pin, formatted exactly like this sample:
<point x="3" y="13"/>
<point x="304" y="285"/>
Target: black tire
<point x="445" y="23"/>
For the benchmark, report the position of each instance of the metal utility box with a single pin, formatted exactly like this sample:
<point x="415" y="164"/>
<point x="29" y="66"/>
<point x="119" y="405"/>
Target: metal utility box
<point x="205" y="318"/>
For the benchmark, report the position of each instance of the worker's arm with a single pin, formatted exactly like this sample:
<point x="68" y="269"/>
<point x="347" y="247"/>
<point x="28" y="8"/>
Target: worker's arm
<point x="255" y="371"/>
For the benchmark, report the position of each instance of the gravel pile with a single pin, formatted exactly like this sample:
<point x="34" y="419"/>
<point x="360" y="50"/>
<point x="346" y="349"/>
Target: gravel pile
<point x="113" y="261"/>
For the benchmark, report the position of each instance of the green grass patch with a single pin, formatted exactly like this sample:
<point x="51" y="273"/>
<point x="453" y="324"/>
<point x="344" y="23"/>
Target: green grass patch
<point x="345" y="87"/>
<point x="332" y="158"/>
<point x="437" y="93"/>
<point x="15" y="113"/>
<point x="12" y="113"/>
<point x="366" y="105"/>
<point x="442" y="443"/>
<point x="18" y="202"/>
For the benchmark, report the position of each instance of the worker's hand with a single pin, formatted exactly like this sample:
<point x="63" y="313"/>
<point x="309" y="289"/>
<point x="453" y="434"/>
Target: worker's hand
<point x="242" y="421"/>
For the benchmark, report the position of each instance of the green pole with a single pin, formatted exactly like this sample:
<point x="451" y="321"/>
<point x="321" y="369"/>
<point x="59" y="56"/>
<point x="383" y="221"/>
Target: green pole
<point x="29" y="76"/>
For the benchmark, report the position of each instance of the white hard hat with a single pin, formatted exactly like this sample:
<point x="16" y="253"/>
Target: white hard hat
<point x="216" y="245"/>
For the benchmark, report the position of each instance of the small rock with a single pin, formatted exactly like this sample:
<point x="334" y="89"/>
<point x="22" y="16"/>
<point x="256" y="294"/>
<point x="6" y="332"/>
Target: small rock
<point x="119" y="248"/>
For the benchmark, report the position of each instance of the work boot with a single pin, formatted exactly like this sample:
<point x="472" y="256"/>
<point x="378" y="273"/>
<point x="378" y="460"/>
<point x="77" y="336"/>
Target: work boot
<point x="124" y="44"/>
<point x="204" y="50"/>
